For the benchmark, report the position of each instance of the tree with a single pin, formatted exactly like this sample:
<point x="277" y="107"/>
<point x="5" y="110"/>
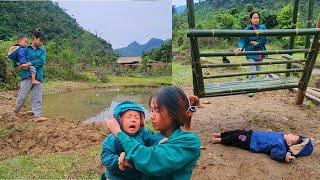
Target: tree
<point x="226" y="21"/>
<point x="248" y="8"/>
<point x="284" y="17"/>
<point x="270" y="21"/>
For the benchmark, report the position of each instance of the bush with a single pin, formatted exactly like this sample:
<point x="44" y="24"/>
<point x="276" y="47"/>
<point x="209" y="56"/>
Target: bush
<point x="9" y="79"/>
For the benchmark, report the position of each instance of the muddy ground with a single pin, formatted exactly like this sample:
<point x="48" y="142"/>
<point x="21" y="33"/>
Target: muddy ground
<point x="268" y="110"/>
<point x="21" y="135"/>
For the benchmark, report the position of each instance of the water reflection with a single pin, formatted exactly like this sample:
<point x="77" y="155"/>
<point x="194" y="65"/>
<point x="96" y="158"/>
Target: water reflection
<point x="92" y="105"/>
<point x="108" y="113"/>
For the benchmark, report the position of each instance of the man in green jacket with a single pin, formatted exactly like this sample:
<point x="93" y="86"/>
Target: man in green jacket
<point x="36" y="56"/>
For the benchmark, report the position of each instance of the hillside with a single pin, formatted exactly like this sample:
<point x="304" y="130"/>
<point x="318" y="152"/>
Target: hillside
<point x="68" y="45"/>
<point x="162" y="53"/>
<point x="136" y="49"/>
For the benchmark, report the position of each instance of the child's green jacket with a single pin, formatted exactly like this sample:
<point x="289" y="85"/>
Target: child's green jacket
<point x="173" y="159"/>
<point x="37" y="58"/>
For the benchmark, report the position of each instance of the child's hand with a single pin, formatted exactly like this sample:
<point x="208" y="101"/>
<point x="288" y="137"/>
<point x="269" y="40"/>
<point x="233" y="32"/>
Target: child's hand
<point x="123" y="164"/>
<point x="254" y="43"/>
<point x="26" y="65"/>
<point x="289" y="157"/>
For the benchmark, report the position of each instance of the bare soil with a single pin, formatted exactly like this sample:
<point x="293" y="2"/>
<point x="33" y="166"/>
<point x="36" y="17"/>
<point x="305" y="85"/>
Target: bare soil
<point x="21" y="135"/>
<point x="266" y="111"/>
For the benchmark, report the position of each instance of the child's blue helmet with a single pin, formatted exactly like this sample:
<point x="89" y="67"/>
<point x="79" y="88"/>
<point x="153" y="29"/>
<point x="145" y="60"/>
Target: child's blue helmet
<point x="126" y="106"/>
<point x="304" y="148"/>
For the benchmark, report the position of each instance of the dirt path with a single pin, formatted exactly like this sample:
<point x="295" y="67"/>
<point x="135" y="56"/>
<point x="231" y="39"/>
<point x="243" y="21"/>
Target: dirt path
<point x="268" y="110"/>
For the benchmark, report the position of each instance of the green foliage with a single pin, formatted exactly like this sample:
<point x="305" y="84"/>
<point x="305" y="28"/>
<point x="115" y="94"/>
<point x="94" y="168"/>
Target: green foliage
<point x="248" y="8"/>
<point x="70" y="48"/>
<point x="162" y="54"/>
<point x="284" y="16"/>
<point x="232" y="14"/>
<point x="226" y="21"/>
<point x="80" y="164"/>
<point x="8" y="75"/>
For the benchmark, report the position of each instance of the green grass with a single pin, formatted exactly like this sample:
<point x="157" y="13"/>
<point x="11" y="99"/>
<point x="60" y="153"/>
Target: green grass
<point x="51" y="87"/>
<point x="142" y="80"/>
<point x="79" y="164"/>
<point x="6" y="130"/>
<point x="82" y="164"/>
<point x="181" y="74"/>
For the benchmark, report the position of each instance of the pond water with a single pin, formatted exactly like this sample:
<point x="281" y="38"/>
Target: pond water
<point x="92" y="105"/>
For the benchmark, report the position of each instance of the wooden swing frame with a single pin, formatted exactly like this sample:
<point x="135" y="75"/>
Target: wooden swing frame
<point x="310" y="51"/>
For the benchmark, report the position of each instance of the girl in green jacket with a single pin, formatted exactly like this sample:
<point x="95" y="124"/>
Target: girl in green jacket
<point x="176" y="156"/>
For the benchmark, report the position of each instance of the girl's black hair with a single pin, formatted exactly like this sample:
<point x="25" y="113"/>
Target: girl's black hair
<point x="175" y="101"/>
<point x="38" y="33"/>
<point x="254" y="12"/>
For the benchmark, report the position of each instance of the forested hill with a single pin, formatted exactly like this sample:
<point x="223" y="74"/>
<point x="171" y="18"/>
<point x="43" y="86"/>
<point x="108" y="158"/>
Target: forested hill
<point x="136" y="49"/>
<point x="67" y="42"/>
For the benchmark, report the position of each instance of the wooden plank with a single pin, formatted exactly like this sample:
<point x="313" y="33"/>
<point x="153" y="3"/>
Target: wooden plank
<point x="252" y="73"/>
<point x="244" y="53"/>
<point x="313" y="92"/>
<point x="252" y="90"/>
<point x="240" y="87"/>
<point x="265" y="62"/>
<point x="251" y="33"/>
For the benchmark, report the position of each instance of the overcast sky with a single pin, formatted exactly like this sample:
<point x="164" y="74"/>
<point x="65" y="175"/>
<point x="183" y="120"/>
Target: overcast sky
<point x="122" y="21"/>
<point x="181" y="2"/>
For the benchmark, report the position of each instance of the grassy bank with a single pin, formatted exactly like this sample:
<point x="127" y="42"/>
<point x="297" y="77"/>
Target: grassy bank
<point x="82" y="164"/>
<point x="56" y="86"/>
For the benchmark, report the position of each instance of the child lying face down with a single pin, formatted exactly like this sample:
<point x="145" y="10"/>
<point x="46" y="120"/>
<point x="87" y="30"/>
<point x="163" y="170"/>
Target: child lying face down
<point x="130" y="116"/>
<point x="280" y="146"/>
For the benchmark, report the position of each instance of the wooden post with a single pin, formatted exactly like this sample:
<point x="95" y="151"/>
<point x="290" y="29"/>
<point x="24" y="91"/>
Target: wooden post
<point x="198" y="84"/>
<point x="293" y="26"/>
<point x="312" y="56"/>
<point x="309" y="24"/>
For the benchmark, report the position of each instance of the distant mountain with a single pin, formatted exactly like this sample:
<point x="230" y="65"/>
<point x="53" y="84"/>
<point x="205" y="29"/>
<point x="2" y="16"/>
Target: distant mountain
<point x="136" y="49"/>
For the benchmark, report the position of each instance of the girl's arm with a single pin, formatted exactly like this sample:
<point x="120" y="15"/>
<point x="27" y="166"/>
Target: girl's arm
<point x="151" y="138"/>
<point x="41" y="61"/>
<point x="164" y="158"/>
<point x="242" y="43"/>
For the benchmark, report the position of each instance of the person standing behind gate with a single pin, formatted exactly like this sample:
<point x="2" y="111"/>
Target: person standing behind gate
<point x="256" y="43"/>
<point x="37" y="58"/>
